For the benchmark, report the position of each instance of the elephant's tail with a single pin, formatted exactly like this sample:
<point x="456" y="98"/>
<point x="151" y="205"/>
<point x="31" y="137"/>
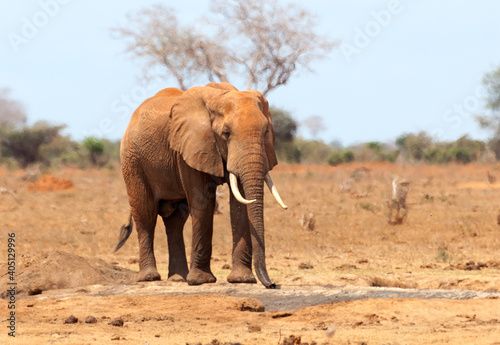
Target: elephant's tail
<point x="125" y="232"/>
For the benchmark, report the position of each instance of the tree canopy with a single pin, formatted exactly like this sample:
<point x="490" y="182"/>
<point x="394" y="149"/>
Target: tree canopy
<point x="491" y="120"/>
<point x="261" y="41"/>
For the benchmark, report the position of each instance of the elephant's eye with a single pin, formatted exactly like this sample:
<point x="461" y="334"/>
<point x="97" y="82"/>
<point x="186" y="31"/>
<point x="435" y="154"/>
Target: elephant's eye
<point x="267" y="130"/>
<point x="225" y="134"/>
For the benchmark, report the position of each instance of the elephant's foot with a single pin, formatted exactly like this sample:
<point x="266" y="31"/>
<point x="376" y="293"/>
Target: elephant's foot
<point x="241" y="275"/>
<point x="148" y="274"/>
<point x="176" y="278"/>
<point x="198" y="277"/>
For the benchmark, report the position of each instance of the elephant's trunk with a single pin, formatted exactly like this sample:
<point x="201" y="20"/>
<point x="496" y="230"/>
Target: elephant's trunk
<point x="252" y="180"/>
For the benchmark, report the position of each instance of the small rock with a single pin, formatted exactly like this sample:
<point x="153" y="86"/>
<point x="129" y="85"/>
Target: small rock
<point x="252" y="305"/>
<point x="115" y="337"/>
<point x="304" y="266"/>
<point x="34" y="291"/>
<point x="118" y="322"/>
<point x="71" y="319"/>
<point x="254" y="328"/>
<point x="90" y="319"/>
<point x="292" y="340"/>
<point x="330" y="332"/>
<point x="157" y="335"/>
<point x="281" y="315"/>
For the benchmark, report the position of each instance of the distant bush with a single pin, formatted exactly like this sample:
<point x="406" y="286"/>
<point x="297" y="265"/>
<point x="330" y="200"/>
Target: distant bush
<point x="437" y="154"/>
<point x="288" y="152"/>
<point x="374" y="152"/>
<point x="25" y="144"/>
<point x="63" y="151"/>
<point x="43" y="143"/>
<point x="464" y="150"/>
<point x="339" y="157"/>
<point x="285" y="128"/>
<point x="95" y="149"/>
<point x="414" y="146"/>
<point x="101" y="151"/>
<point x="461" y="155"/>
<point x="313" y="151"/>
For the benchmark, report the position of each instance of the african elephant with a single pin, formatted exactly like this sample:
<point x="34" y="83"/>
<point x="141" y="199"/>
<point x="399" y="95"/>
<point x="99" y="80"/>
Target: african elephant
<point x="178" y="147"/>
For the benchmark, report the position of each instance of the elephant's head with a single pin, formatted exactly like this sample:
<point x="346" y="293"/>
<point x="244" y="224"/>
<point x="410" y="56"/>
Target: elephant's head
<point x="228" y="133"/>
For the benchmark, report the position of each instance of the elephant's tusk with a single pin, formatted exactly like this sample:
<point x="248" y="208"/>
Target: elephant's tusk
<point x="236" y="191"/>
<point x="273" y="190"/>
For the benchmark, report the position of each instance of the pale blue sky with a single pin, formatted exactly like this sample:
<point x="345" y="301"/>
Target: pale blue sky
<point x="405" y="66"/>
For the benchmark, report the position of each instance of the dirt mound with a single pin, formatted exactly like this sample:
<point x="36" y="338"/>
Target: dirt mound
<point x="48" y="183"/>
<point x="60" y="270"/>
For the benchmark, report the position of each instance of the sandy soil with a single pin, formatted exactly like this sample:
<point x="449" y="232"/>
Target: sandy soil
<point x="351" y="279"/>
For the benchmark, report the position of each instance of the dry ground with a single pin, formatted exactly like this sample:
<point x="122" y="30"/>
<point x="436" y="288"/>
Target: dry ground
<point x="449" y="240"/>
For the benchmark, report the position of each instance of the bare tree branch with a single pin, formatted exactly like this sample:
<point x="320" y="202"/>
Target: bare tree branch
<point x="170" y="49"/>
<point x="272" y="39"/>
<point x="260" y="40"/>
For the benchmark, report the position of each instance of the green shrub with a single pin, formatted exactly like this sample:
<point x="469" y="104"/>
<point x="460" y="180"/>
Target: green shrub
<point x="438" y="154"/>
<point x="313" y="151"/>
<point x="339" y="157"/>
<point x="416" y="145"/>
<point x="289" y="152"/>
<point x="284" y="125"/>
<point x="95" y="149"/>
<point x="25" y="144"/>
<point x="374" y="145"/>
<point x="461" y="155"/>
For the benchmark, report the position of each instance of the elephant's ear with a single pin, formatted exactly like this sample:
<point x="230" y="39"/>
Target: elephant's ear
<point x="191" y="130"/>
<point x="269" y="141"/>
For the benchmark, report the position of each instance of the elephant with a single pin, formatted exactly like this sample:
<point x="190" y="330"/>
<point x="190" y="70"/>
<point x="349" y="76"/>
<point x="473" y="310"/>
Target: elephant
<point x="178" y="147"/>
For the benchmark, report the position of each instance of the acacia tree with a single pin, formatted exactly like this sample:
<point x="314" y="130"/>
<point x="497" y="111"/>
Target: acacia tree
<point x="491" y="121"/>
<point x="314" y="124"/>
<point x="12" y="112"/>
<point x="260" y="40"/>
<point x="24" y="143"/>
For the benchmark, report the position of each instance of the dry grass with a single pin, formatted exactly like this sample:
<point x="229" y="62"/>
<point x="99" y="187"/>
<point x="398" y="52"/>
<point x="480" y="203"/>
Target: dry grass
<point x="452" y="219"/>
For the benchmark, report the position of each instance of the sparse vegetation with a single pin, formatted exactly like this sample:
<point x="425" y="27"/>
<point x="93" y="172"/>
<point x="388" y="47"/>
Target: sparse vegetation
<point x="45" y="143"/>
<point x="441" y="246"/>
<point x="342" y="156"/>
<point x="26" y="144"/>
<point x="442" y="255"/>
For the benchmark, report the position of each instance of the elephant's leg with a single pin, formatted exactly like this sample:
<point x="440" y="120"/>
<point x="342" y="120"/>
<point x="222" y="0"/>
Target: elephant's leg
<point x="241" y="271"/>
<point x="147" y="261"/>
<point x="174" y="226"/>
<point x="145" y="213"/>
<point x="202" y="211"/>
